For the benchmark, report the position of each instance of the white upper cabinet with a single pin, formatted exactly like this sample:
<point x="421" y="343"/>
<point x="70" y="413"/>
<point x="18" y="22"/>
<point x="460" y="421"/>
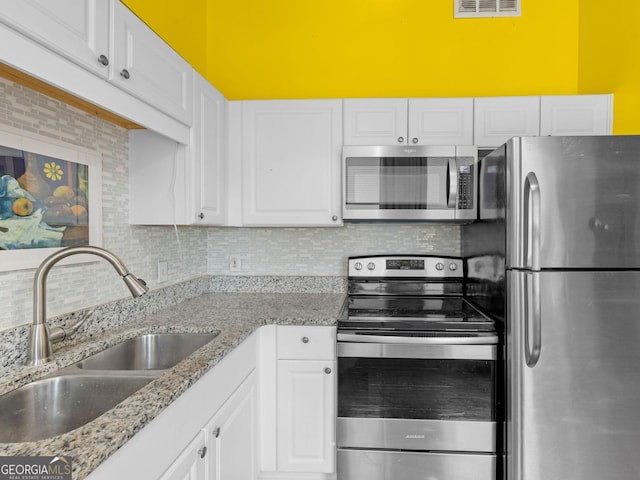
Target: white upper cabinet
<point x="208" y="153"/>
<point x="576" y="115"/>
<point x="147" y="67"/>
<point x="291" y="162"/>
<point x="497" y="119"/>
<point x="441" y="121"/>
<point x="105" y="38"/>
<point x="415" y="121"/>
<point x="172" y="183"/>
<point x="381" y="121"/>
<point x="76" y="29"/>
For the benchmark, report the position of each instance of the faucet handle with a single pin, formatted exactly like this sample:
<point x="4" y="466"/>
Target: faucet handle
<point x="58" y="334"/>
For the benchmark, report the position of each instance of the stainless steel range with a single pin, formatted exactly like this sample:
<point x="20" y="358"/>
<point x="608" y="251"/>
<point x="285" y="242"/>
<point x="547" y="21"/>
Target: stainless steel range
<point x="417" y="374"/>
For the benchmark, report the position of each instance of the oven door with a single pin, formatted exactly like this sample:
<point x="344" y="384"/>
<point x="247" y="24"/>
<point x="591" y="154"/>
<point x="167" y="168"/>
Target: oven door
<point x="417" y="393"/>
<point x="416" y="407"/>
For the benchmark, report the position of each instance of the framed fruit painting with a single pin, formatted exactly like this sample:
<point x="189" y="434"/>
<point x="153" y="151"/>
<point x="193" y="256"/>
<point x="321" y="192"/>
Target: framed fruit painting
<point x="50" y="198"/>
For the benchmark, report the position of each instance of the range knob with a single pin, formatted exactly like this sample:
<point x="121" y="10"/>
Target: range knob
<point x="453" y="267"/>
<point x="439" y="266"/>
<point x="357" y="266"/>
<point x="371" y="266"/>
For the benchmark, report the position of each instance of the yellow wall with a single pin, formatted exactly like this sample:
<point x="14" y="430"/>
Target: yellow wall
<point x="257" y="49"/>
<point x="388" y="48"/>
<point x="609" y="57"/>
<point x="182" y="28"/>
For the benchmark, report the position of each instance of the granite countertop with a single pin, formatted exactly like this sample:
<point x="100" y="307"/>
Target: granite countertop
<point x="234" y="315"/>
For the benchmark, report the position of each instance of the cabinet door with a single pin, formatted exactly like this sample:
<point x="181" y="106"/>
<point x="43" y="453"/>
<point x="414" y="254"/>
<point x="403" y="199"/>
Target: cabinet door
<point x="232" y="433"/>
<point x="306" y="342"/>
<point x="146" y="66"/>
<point x="306" y="415"/>
<point x="190" y="465"/>
<point x="158" y="180"/>
<point x="291" y="162"/>
<point x="497" y="119"/>
<point x="375" y="121"/>
<point x="208" y="154"/>
<point x="576" y="115"/>
<point x="77" y="29"/>
<point x="441" y="121"/>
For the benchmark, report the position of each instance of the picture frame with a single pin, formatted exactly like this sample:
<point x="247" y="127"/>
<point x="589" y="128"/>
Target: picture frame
<point x="55" y="202"/>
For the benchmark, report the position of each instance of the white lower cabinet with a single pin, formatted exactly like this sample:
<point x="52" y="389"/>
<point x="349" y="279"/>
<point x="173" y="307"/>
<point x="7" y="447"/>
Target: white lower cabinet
<point x="297" y="403"/>
<point x="171" y="446"/>
<point x="258" y="414"/>
<point x="306" y="416"/>
<point x="225" y="448"/>
<point x="191" y="464"/>
<point x="232" y="436"/>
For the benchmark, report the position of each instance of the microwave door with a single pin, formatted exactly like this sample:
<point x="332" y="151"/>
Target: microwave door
<point x="404" y="183"/>
<point x="438" y="175"/>
<point x="362" y="188"/>
<point x="416" y="183"/>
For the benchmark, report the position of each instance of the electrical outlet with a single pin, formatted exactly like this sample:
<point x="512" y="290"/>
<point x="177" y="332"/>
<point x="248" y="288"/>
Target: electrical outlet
<point x="163" y="273"/>
<point x="235" y="264"/>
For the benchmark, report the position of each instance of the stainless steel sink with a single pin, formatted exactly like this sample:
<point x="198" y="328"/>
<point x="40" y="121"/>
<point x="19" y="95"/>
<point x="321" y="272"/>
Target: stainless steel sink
<point x="156" y="351"/>
<point x="80" y="393"/>
<point x="54" y="405"/>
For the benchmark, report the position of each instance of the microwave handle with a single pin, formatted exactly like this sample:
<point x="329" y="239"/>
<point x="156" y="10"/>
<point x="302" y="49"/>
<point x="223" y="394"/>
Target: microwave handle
<point x="452" y="175"/>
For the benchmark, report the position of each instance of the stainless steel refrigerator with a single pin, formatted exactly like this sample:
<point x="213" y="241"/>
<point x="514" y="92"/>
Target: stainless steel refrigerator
<point x="556" y="255"/>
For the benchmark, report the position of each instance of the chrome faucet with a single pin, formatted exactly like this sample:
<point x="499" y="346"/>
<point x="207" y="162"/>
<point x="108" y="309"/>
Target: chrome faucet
<point x="41" y="337"/>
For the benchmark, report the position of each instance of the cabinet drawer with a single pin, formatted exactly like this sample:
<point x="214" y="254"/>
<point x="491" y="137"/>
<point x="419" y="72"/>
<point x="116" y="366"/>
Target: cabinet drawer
<point x="306" y="343"/>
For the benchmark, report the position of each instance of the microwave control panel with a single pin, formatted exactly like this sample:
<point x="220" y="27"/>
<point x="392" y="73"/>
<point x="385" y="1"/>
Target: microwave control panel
<point x="465" y="187"/>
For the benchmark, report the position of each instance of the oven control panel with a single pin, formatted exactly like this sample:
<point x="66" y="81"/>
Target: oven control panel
<point x="406" y="266"/>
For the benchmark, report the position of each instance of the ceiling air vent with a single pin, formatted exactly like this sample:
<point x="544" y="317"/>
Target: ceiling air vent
<point x="487" y="8"/>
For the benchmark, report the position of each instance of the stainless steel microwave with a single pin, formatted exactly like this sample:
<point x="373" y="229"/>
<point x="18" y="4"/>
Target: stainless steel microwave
<point x="429" y="182"/>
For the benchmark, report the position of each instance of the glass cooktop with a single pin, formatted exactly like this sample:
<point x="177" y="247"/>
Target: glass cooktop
<point x="413" y="313"/>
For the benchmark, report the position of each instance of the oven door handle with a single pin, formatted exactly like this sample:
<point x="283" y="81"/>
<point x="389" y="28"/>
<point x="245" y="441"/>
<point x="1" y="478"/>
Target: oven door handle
<point x="385" y="339"/>
<point x="416" y="351"/>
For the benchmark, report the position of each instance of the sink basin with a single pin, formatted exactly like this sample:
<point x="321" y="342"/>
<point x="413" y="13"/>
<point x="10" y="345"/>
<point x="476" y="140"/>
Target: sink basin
<point x="156" y="351"/>
<point x="78" y="394"/>
<point x="54" y="405"/>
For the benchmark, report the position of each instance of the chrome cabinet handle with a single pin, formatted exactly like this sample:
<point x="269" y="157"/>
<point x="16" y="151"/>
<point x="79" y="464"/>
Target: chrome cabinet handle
<point x="216" y="432"/>
<point x="414" y="139"/>
<point x="125" y="74"/>
<point x="453" y="183"/>
<point x="334" y="218"/>
<point x="103" y="60"/>
<point x="532" y="222"/>
<point x="202" y="452"/>
<point x="327" y="370"/>
<point x="532" y="319"/>
<point x="305" y="339"/>
<point x="400" y="139"/>
<point x="201" y="216"/>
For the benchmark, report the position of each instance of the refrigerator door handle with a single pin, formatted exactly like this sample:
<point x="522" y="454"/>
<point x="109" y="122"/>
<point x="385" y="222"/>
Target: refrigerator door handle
<point x="452" y="173"/>
<point x="532" y="222"/>
<point x="532" y="319"/>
